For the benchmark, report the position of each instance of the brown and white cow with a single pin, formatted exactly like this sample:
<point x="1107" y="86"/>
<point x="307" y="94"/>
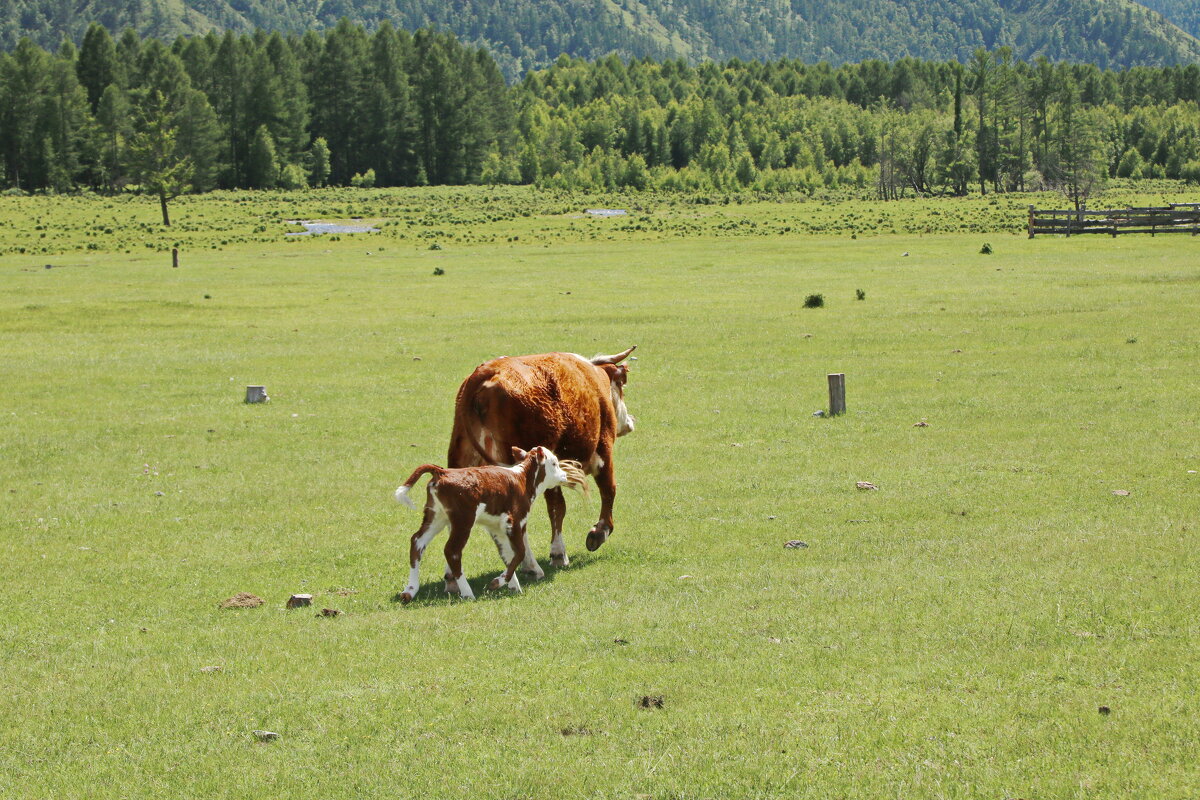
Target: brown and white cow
<point x="572" y="405"/>
<point x="497" y="498"/>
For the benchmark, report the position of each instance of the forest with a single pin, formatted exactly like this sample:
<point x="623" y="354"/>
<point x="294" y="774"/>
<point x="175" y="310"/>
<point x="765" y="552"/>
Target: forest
<point x="530" y="34"/>
<point x="393" y="108"/>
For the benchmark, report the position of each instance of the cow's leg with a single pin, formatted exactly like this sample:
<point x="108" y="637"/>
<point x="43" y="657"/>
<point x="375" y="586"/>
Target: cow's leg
<point x="607" y="484"/>
<point x="460" y="531"/>
<point x="556" y="504"/>
<point x="431" y="526"/>
<point x="451" y="583"/>
<point x="508" y="578"/>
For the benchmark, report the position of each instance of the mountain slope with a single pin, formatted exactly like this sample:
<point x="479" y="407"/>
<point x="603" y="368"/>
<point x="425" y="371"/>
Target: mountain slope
<point x="1184" y="13"/>
<point x="530" y="33"/>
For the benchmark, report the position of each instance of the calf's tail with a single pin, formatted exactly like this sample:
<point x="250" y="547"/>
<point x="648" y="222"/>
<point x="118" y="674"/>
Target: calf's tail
<point x="402" y="492"/>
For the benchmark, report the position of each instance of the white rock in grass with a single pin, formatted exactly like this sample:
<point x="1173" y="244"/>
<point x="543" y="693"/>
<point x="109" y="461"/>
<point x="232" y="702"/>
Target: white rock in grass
<point x="266" y="736"/>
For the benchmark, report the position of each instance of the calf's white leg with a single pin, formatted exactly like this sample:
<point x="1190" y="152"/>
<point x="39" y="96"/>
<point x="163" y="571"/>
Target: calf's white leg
<point x="431" y="526"/>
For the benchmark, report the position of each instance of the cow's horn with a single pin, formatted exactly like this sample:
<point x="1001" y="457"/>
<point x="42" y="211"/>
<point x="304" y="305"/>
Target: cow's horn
<point x="613" y="359"/>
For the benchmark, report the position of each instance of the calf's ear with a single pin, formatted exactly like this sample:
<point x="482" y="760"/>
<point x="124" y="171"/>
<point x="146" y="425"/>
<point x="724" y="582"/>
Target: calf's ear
<point x="518" y="454"/>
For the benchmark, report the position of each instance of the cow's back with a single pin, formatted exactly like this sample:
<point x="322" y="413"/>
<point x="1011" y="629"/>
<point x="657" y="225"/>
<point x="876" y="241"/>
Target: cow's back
<point x="554" y="400"/>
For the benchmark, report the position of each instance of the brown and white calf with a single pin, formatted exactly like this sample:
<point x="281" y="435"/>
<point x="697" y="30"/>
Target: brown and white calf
<point x="497" y="498"/>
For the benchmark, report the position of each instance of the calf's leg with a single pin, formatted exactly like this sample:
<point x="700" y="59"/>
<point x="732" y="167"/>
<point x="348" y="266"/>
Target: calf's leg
<point x="509" y="576"/>
<point x="431" y="526"/>
<point x="460" y="531"/>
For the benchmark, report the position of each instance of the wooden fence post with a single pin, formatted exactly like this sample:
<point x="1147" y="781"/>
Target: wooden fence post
<point x="175" y="258"/>
<point x="1031" y="222"/>
<point x="837" y="393"/>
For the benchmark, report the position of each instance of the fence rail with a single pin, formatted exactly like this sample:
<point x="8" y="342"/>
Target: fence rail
<point x="1175" y="218"/>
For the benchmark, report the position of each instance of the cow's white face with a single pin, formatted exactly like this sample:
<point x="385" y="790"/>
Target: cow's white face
<point x="617" y="377"/>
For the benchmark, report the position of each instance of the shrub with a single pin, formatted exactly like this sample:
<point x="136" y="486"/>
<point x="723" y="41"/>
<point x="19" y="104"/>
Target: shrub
<point x="859" y="294"/>
<point x="292" y="176"/>
<point x="363" y="180"/>
<point x="986" y="249"/>
<point x="814" y="301"/>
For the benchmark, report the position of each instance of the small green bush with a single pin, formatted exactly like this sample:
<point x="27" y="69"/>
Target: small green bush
<point x="859" y="294"/>
<point x="986" y="249"/>
<point x="814" y="301"/>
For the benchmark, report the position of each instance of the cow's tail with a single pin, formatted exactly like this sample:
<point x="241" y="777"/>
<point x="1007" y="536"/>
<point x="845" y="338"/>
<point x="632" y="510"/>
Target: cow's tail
<point x="402" y="492"/>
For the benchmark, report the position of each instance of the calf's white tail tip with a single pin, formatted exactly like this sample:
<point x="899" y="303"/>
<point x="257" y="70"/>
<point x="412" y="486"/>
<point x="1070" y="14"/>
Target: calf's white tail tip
<point x="402" y="496"/>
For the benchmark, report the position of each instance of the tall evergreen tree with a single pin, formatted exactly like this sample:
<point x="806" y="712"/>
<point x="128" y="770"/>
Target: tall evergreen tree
<point x="156" y="159"/>
<point x="98" y="64"/>
<point x="262" y="169"/>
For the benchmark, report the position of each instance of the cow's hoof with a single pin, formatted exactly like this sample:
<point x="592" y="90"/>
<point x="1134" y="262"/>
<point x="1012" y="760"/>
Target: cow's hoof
<point x="451" y="587"/>
<point x="494" y="586"/>
<point x="533" y="574"/>
<point x="594" y="540"/>
<point x="406" y="598"/>
<point x="559" y="560"/>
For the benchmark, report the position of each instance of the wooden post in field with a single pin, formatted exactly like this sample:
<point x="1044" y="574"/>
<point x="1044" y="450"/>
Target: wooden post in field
<point x="837" y="393"/>
<point x="175" y="258"/>
<point x="256" y="394"/>
<point x="1031" y="222"/>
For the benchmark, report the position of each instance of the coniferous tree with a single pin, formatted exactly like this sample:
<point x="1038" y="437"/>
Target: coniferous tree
<point x="262" y="169"/>
<point x="337" y="89"/>
<point x="98" y="65"/>
<point x="155" y="158"/>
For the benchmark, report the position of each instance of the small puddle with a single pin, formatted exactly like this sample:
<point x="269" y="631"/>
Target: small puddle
<point x="314" y="228"/>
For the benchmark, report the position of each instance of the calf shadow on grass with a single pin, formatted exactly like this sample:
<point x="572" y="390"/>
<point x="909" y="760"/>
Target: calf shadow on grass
<point x="433" y="591"/>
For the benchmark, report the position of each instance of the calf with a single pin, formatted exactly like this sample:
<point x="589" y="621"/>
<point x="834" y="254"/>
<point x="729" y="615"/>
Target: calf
<point x="498" y="498"/>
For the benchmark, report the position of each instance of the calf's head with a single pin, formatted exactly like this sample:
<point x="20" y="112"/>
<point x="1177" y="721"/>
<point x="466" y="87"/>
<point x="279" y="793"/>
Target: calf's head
<point x="543" y="466"/>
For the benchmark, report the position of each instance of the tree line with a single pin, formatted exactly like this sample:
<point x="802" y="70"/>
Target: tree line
<point x="390" y="108"/>
<point x="529" y="34"/>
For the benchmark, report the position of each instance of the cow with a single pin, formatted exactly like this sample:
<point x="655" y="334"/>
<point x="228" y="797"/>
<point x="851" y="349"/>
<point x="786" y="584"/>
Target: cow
<point x="497" y="498"/>
<point x="574" y="406"/>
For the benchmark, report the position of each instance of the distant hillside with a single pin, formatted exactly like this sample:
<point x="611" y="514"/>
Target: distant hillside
<point x="530" y="33"/>
<point x="1184" y="13"/>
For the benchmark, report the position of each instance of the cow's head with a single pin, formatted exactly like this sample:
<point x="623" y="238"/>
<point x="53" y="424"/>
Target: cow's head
<point x="618" y="374"/>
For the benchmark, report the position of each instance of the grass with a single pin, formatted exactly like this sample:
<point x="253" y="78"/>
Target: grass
<point x="953" y="634"/>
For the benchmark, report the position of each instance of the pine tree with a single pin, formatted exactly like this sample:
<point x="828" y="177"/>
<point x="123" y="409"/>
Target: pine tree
<point x="337" y="88"/>
<point x="262" y="169"/>
<point x="199" y="139"/>
<point x="115" y="129"/>
<point x="155" y="158"/>
<point x="98" y="65"/>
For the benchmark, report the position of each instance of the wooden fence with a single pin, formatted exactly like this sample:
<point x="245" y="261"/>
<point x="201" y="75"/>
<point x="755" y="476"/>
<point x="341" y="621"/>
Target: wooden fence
<point x="1175" y="218"/>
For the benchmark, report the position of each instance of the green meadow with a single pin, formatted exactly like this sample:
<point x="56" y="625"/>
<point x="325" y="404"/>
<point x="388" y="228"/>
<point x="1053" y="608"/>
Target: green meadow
<point x="992" y="621"/>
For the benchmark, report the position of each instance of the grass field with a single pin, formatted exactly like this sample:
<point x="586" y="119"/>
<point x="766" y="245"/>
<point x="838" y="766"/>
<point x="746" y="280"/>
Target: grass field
<point x="955" y="633"/>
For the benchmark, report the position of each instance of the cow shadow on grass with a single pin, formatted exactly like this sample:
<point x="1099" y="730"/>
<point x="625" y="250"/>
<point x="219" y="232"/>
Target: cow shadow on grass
<point x="432" y="591"/>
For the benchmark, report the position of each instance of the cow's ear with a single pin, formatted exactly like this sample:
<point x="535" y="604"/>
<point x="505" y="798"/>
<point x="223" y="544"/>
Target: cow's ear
<point x="616" y="373"/>
<point x="539" y="454"/>
<point x="518" y="454"/>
